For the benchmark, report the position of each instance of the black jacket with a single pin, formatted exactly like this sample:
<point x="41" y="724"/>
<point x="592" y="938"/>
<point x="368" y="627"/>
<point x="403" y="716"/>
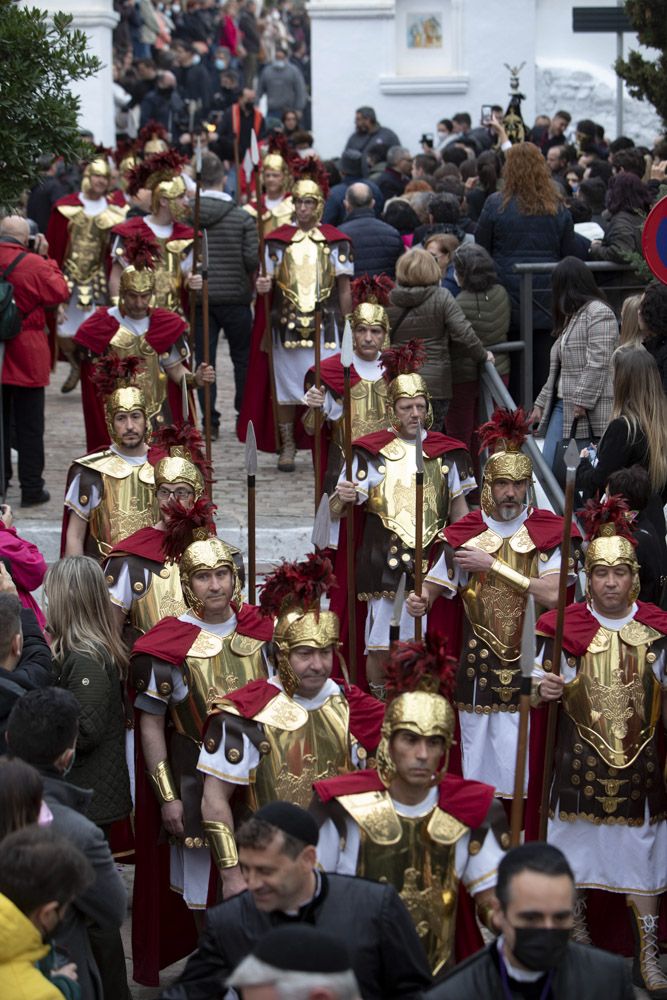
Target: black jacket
<point x="232" y="247"/>
<point x="391" y="183"/>
<point x="377" y="246"/>
<point x="585" y="974"/>
<point x="34" y="670"/>
<point x="387" y="956"/>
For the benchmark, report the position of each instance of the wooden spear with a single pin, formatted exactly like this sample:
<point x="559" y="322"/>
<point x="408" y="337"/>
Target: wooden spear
<point x="195" y="246"/>
<point x="527" y="664"/>
<point x="207" y="343"/>
<point x="572" y="459"/>
<point x="419" y="523"/>
<point x="346" y="357"/>
<point x="251" y="472"/>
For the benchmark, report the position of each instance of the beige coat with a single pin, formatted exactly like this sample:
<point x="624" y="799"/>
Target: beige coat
<point x="581" y="357"/>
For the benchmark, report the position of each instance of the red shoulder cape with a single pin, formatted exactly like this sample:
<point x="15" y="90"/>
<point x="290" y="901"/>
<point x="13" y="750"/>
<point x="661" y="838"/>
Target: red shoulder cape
<point x="580" y="625"/>
<point x="434" y="444"/>
<point x="171" y="639"/>
<point x="164" y="329"/>
<point x="468" y="801"/>
<point x="545" y="529"/>
<point x="145" y="543"/>
<point x="284" y="234"/>
<point x="136" y="224"/>
<point x="331" y="373"/>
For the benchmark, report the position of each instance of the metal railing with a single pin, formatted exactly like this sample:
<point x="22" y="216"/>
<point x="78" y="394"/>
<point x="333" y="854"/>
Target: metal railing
<point x="528" y="304"/>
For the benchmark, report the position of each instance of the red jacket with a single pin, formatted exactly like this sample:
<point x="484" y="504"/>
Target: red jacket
<point x="38" y="285"/>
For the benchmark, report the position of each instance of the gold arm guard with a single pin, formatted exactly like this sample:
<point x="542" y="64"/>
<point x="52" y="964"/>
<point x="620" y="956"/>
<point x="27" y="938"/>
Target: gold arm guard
<point x="221" y="842"/>
<point x="191" y="380"/>
<point x="337" y="506"/>
<point x="516" y="580"/>
<point x="163" y="783"/>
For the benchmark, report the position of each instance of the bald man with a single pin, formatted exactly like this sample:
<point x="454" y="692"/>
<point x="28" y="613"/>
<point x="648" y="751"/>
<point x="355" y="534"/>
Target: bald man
<point x="377" y="246"/>
<point x="38" y="285"/>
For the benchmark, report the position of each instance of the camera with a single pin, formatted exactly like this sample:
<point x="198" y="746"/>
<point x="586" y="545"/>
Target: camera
<point x="427" y="139"/>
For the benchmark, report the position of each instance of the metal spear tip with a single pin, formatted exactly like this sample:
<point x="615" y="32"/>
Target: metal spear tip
<point x="250" y="450"/>
<point x="419" y="454"/>
<point x="198" y="163"/>
<point x="528" y="638"/>
<point x="204" y="251"/>
<point x="572" y="456"/>
<point x="185" y="402"/>
<point x="254" y="148"/>
<point x="399" y="601"/>
<point x="322" y="524"/>
<point x="247" y="166"/>
<point x="346" y="350"/>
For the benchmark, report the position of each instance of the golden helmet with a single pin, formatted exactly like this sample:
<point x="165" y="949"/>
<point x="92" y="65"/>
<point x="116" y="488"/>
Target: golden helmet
<point x="98" y="167"/>
<point x="142" y="253"/>
<point x="503" y="435"/>
<point x="208" y="553"/>
<point x="178" y="468"/>
<point x="400" y="364"/>
<point x="161" y="174"/>
<point x="610" y="540"/>
<point x="115" y="380"/>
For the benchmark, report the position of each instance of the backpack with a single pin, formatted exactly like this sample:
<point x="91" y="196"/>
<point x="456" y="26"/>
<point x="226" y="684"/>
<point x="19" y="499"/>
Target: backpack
<point x="10" y="316"/>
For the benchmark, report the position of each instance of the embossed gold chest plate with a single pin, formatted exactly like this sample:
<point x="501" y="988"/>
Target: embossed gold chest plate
<point x="369" y="411"/>
<point x="152" y="380"/>
<point x="163" y="598"/>
<point x="393" y="499"/>
<point x="168" y="274"/>
<point x="318" y="749"/>
<point x="305" y="269"/>
<point x="128" y="502"/>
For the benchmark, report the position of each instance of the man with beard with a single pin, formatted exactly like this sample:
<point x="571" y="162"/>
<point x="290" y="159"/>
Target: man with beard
<point x="495" y="557"/>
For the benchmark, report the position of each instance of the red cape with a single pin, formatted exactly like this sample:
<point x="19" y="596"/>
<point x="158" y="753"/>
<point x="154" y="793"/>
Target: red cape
<point x="580" y="625"/>
<point x="366" y="712"/>
<point x="136" y="224"/>
<point x="171" y="639"/>
<point x="57" y="232"/>
<point x="433" y="445"/>
<point x="95" y="334"/>
<point x="545" y="529"/>
<point x="145" y="543"/>
<point x="285" y="234"/>
<point x="332" y="375"/>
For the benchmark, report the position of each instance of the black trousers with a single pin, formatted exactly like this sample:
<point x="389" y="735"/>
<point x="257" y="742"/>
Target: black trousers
<point x="23" y="423"/>
<point x="236" y="324"/>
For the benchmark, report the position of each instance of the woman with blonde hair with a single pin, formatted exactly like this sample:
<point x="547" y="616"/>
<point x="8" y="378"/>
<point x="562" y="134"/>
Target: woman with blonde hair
<point x="421" y="310"/>
<point x="527" y="222"/>
<point x="631" y="334"/>
<point x="636" y="433"/>
<point x="91" y="661"/>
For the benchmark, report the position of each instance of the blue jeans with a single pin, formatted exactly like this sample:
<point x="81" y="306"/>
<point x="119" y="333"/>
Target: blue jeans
<point x="554" y="434"/>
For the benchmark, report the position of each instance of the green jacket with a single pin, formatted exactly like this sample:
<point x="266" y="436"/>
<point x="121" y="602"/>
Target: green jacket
<point x="489" y="315"/>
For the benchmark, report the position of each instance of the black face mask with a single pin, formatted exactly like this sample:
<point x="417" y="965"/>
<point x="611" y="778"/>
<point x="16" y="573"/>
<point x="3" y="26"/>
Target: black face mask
<point x="540" y="948"/>
<point x="166" y="92"/>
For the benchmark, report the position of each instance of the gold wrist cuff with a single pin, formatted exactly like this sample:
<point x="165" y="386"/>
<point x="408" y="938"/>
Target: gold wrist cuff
<point x="535" y="696"/>
<point x="336" y="505"/>
<point x="190" y="379"/>
<point x="220" y="841"/>
<point x="163" y="783"/>
<point x="516" y="580"/>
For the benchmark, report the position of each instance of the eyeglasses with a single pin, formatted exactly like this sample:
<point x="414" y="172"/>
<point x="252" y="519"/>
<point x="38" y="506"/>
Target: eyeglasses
<point x="165" y="494"/>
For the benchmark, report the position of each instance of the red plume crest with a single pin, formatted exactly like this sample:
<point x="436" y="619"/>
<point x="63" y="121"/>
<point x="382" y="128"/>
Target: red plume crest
<point x="124" y="148"/>
<point x="310" y="169"/>
<point x="404" y="359"/>
<point x="506" y="428"/>
<point x="613" y="511"/>
<point x="421" y="666"/>
<point x="152" y="130"/>
<point x="182" y="523"/>
<point x="371" y="288"/>
<point x="300" y="584"/>
<point x="142" y="250"/>
<point x="182" y="435"/>
<point x="111" y="372"/>
<point x="160" y="165"/>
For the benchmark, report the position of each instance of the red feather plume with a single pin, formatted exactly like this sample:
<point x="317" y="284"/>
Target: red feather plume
<point x="614" y="510"/>
<point x="167" y="164"/>
<point x="301" y="584"/>
<point x="152" y="130"/>
<point x="182" y="435"/>
<point x="142" y="250"/>
<point x="421" y="666"/>
<point x="310" y="168"/>
<point x="124" y="148"/>
<point x="404" y="359"/>
<point x="181" y="524"/>
<point x="371" y="288"/>
<point x="111" y="372"/>
<point x="505" y="427"/>
<point x="279" y="146"/>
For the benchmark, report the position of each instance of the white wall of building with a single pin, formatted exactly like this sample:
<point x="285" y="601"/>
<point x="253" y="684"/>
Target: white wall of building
<point x="360" y="57"/>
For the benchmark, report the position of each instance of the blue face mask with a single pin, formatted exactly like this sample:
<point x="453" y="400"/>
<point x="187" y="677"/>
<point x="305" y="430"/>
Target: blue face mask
<point x="220" y="64"/>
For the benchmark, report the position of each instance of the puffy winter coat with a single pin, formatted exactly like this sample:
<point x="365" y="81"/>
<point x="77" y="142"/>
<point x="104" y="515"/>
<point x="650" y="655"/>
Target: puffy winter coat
<point x="21" y="948"/>
<point x="377" y="246"/>
<point x="511" y="237"/>
<point x="232" y="249"/>
<point x="623" y="235"/>
<point x="434" y="317"/>
<point x="489" y="315"/>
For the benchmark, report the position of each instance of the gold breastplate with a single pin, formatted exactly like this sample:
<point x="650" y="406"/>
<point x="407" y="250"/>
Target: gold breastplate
<point x="280" y="215"/>
<point x="369" y="411"/>
<point x="494" y="609"/>
<point x="306" y="267"/>
<point x="319" y="748"/>
<point x="152" y="380"/>
<point x="615" y="698"/>
<point x="162" y="598"/>
<point x="128" y="502"/>
<point x="215" y="666"/>
<point x="393" y="499"/>
<point x="417" y="856"/>
<point x="87" y="246"/>
<point x="169" y="276"/>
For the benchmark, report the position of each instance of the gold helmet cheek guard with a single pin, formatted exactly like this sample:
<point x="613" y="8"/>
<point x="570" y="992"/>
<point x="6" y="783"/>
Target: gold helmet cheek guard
<point x="208" y="554"/>
<point x="423" y="714"/>
<point x="612" y="550"/>
<point x="512" y="465"/>
<point x="171" y="190"/>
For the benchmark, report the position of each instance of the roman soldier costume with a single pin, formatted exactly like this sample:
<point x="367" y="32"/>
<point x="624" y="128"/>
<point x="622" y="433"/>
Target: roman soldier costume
<point x="276" y="212"/>
<point x="427" y="850"/>
<point x="489" y="676"/>
<point x="160" y="173"/>
<point x="159" y="339"/>
<point x="368" y="388"/>
<point x="608" y="804"/>
<point x="267" y="737"/>
<point x="111" y="491"/>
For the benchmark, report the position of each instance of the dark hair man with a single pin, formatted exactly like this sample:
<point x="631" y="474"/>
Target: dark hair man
<point x="368" y="132"/>
<point x="40" y="873"/>
<point x="42" y="730"/>
<point x="534" y="911"/>
<point x="277" y="850"/>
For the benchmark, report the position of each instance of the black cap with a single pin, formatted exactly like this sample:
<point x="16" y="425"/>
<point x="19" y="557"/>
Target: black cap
<point x="291" y="820"/>
<point x="351" y="163"/>
<point x="302" y="948"/>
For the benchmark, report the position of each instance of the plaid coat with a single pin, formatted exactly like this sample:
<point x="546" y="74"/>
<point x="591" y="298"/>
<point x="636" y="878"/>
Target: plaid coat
<point x="581" y="358"/>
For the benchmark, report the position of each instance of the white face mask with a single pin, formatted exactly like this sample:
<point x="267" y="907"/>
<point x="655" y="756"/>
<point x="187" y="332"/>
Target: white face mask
<point x="280" y="63"/>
